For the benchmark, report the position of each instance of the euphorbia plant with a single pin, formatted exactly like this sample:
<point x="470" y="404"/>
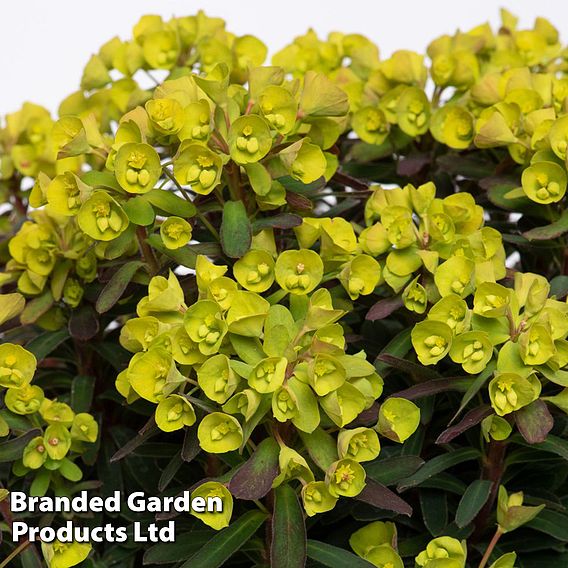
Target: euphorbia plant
<point x="330" y="292"/>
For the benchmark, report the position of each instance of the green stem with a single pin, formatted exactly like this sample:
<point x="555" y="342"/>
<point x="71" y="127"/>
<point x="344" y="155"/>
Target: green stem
<point x="498" y="534"/>
<point x="147" y="252"/>
<point x="15" y="553"/>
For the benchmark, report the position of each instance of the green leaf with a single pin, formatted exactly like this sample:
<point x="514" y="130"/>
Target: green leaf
<point x="169" y="472"/>
<point x="236" y="231"/>
<point x="399" y="346"/>
<point x="82" y="390"/>
<point x="70" y="470"/>
<point x="169" y="202"/>
<point x="13" y="449"/>
<point x="552" y="523"/>
<point x="226" y="542"/>
<point x="116" y="286"/>
<point x="472" y="501"/>
<point x="139" y="211"/>
<point x="36" y="308"/>
<point x="42" y="345"/>
<point x="435" y="386"/>
<point x="282" y="221"/>
<point x="184" y="255"/>
<point x="379" y="496"/>
<point x="105" y="180"/>
<point x="259" y="178"/>
<point x="253" y="480"/>
<point x="471" y="419"/>
<point x="186" y="544"/>
<point x="335" y="557"/>
<point x="437" y="465"/>
<point x="552" y="444"/>
<point x="552" y="231"/>
<point x="534" y="422"/>
<point x="150" y="429"/>
<point x="288" y="547"/>
<point x="434" y="505"/>
<point x="321" y="446"/>
<point x="390" y="471"/>
<point x="559" y="286"/>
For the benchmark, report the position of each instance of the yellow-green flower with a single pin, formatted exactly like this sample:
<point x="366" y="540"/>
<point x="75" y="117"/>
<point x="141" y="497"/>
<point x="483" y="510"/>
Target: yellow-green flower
<point x="431" y="341"/>
<point x="384" y="556"/>
<point x="292" y="466"/>
<point x="219" y="433"/>
<point x="84" y="428"/>
<point x="374" y="534"/>
<point x="175" y="232"/>
<point x="398" y="419"/>
<point x="413" y="111"/>
<point x="249" y="139"/>
<point x="161" y="49"/>
<point x="247" y="314"/>
<point x="298" y="271"/>
<point x="344" y="404"/>
<point x="57" y="441"/>
<point x="510" y="392"/>
<point x="345" y="478"/>
<point x="558" y="136"/>
<point x="544" y="182"/>
<point x="65" y="194"/>
<point x="443" y="552"/>
<point x="496" y="428"/>
<point x="414" y="297"/>
<point x="371" y="125"/>
<point x="198" y="166"/>
<point x="472" y="350"/>
<point x="35" y="453"/>
<point x="374" y="240"/>
<point x="72" y="292"/>
<point x="317" y="498"/>
<point x="101" y="217"/>
<point x="164" y="301"/>
<point x="65" y="554"/>
<point x="511" y="513"/>
<point x="184" y="350"/>
<point x="197" y="122"/>
<point x="455" y="276"/>
<point x="245" y="402"/>
<point x="360" y="444"/>
<point x="24" y="400"/>
<point x="137" y="167"/>
<point x="360" y="276"/>
<point x="222" y="290"/>
<point x="537" y="345"/>
<point x="255" y="271"/>
<point x="454" y="126"/>
<point x="209" y="490"/>
<point x="326" y="374"/>
<point x="17" y="366"/>
<point x="138" y="333"/>
<point x="491" y="300"/>
<point x="268" y="374"/>
<point x="54" y="412"/>
<point x="453" y="311"/>
<point x="279" y="107"/>
<point x="217" y="379"/>
<point x="174" y="412"/>
<point x="167" y="115"/>
<point x="205" y="325"/>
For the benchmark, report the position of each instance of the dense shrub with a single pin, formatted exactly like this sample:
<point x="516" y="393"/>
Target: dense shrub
<point x="330" y="291"/>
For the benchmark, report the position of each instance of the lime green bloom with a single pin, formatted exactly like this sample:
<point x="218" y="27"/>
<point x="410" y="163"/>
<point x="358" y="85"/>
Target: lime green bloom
<point x="249" y="139"/>
<point x="506" y="561"/>
<point x="86" y="266"/>
<point x="338" y="238"/>
<point x="496" y="428"/>
<point x="137" y="167"/>
<point x="326" y="374"/>
<point x="544" y="182"/>
<point x="138" y="333"/>
<point x="455" y="276"/>
<point x="442" y="229"/>
<point x="197" y="122"/>
<point x="161" y="49"/>
<point x="284" y="404"/>
<point x="65" y="554"/>
<point x="164" y="301"/>
<point x="317" y="498"/>
<point x="345" y="478"/>
<point x="454" y="126"/>
<point x="414" y="297"/>
<point x="292" y="466"/>
<point x="453" y="311"/>
<point x="198" y="166"/>
<point x="205" y="325"/>
<point x="175" y="232"/>
<point x="268" y="374"/>
<point x="321" y="312"/>
<point x="54" y="412"/>
<point x="371" y="125"/>
<point x="306" y="162"/>
<point x="153" y="374"/>
<point x="174" y="412"/>
<point x="219" y="433"/>
<point x="35" y="453"/>
<point x="360" y="276"/>
<point x="57" y="441"/>
<point x="298" y="271"/>
<point x="537" y="345"/>
<point x="24" y="400"/>
<point x="206" y="272"/>
<point x="101" y="217"/>
<point x="219" y="519"/>
<point x="443" y="552"/>
<point x="413" y="111"/>
<point x="72" y="292"/>
<point x="166" y="115"/>
<point x="223" y="291"/>
<point x="247" y="314"/>
<point x="472" y="350"/>
<point x="217" y="379"/>
<point x="17" y="366"/>
<point x="511" y="513"/>
<point x="65" y="194"/>
<point x="359" y="444"/>
<point x="398" y="419"/>
<point x="84" y="428"/>
<point x="384" y="556"/>
<point x="558" y="136"/>
<point x="344" y="404"/>
<point x="374" y="240"/>
<point x="184" y="350"/>
<point x="400" y="227"/>
<point x="510" y="392"/>
<point x="245" y="402"/>
<point x="491" y="300"/>
<point x="431" y="341"/>
<point x="279" y="108"/>
<point x="255" y="271"/>
<point x="374" y="534"/>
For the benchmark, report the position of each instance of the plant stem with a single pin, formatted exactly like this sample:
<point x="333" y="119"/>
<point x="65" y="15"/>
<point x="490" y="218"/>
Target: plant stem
<point x="498" y="534"/>
<point x="147" y="252"/>
<point x="20" y="548"/>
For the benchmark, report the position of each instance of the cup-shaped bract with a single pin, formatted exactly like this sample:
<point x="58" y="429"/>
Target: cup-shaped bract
<point x="345" y="478"/>
<point x="198" y="166"/>
<point x="57" y="441"/>
<point x="24" y="400"/>
<point x="102" y="218"/>
<point x="65" y="554"/>
<point x="35" y="453"/>
<point x="249" y="139"/>
<point x="255" y="271"/>
<point x="219" y="433"/>
<point x="175" y="232"/>
<point x="247" y="314"/>
<point x="511" y="513"/>
<point x="17" y="366"/>
<point x="360" y="276"/>
<point x="398" y="419"/>
<point x="317" y="498"/>
<point x="443" y="552"/>
<point x="268" y="374"/>
<point x="173" y="413"/>
<point x="298" y="271"/>
<point x="544" y="182"/>
<point x="472" y="350"/>
<point x="84" y="428"/>
<point x="360" y="444"/>
<point x="431" y="341"/>
<point x="213" y="490"/>
<point x="137" y="167"/>
<point x="217" y="379"/>
<point x="205" y="325"/>
<point x="510" y="392"/>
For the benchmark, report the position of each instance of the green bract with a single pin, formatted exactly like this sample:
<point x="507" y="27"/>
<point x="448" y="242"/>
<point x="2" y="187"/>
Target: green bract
<point x="249" y="139"/>
<point x="17" y="366"/>
<point x="101" y="217"/>
<point x="137" y="167"/>
<point x="298" y="272"/>
<point x="219" y="433"/>
<point x="398" y="419"/>
<point x="175" y="232"/>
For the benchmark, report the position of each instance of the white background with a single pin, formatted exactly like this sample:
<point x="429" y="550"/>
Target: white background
<point x="44" y="44"/>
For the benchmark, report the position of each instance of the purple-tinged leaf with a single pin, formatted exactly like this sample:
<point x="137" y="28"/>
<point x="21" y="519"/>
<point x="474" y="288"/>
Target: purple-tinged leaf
<point x="409" y="367"/>
<point x="84" y="323"/>
<point x="534" y="422"/>
<point x="384" y="308"/>
<point x="436" y="386"/>
<point x="378" y="495"/>
<point x="289" y="537"/>
<point x="471" y="419"/>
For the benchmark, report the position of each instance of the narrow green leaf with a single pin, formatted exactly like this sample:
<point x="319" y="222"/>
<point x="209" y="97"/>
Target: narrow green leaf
<point x="236" y="231"/>
<point x="226" y="542"/>
<point x="150" y="429"/>
<point x="36" y="308"/>
<point x="399" y="346"/>
<point x="186" y="544"/>
<point x="42" y="345"/>
<point x="139" y="211"/>
<point x="115" y="287"/>
<point x="471" y="419"/>
<point x="390" y="471"/>
<point x="321" y="446"/>
<point x="254" y="479"/>
<point x="472" y="501"/>
<point x="288" y="547"/>
<point x="334" y="557"/>
<point x="82" y="393"/>
<point x="282" y="221"/>
<point x="184" y="255"/>
<point x="547" y="232"/>
<point x="434" y="506"/>
<point x="552" y="523"/>
<point x="379" y="496"/>
<point x="169" y="472"/>
<point x="13" y="449"/>
<point x="437" y="465"/>
<point x="552" y="444"/>
<point x="169" y="202"/>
